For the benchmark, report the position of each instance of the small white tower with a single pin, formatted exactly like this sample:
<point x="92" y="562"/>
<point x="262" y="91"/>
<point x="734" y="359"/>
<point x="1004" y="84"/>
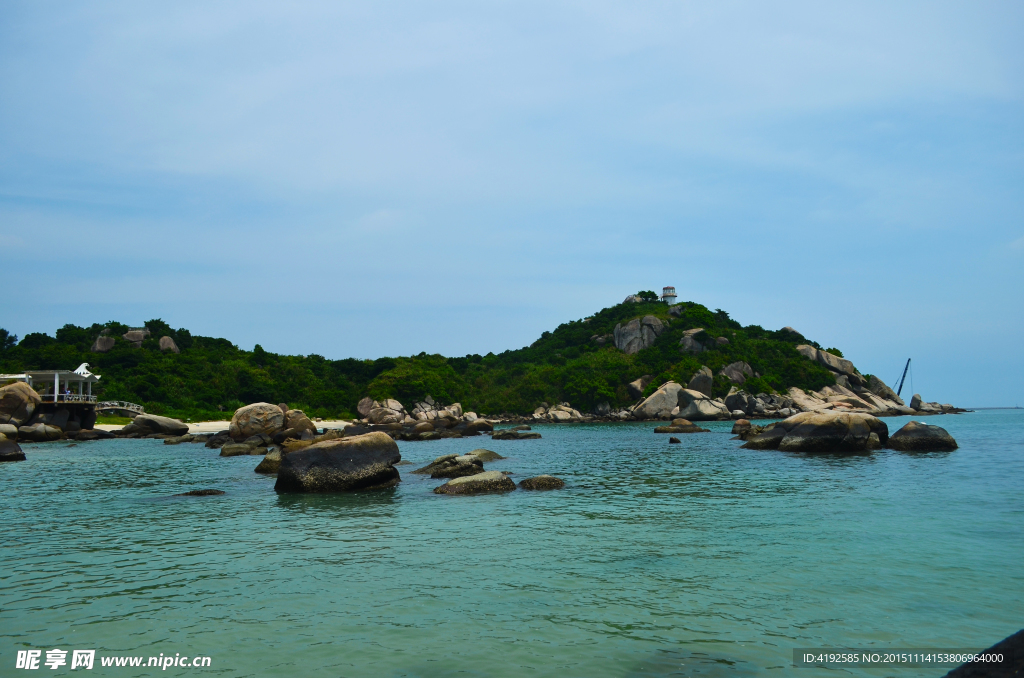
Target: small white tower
<point x="668" y="295"/>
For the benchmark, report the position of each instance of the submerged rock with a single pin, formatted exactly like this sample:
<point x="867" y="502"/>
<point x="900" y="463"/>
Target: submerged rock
<point x="10" y="451"/>
<point x="544" y="482"/>
<point x="485" y="455"/>
<point x="509" y="434"/>
<point x="489" y="481"/>
<point x="341" y="465"/>
<point x="919" y="437"/>
<point x="200" y="493"/>
<point x="674" y="441"/>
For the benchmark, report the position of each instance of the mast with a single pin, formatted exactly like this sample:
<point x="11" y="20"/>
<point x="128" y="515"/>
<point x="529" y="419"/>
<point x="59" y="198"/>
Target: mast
<point x="900" y="389"/>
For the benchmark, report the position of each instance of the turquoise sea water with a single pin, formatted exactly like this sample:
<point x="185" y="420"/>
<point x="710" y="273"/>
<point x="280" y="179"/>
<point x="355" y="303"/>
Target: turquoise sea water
<point x="699" y="559"/>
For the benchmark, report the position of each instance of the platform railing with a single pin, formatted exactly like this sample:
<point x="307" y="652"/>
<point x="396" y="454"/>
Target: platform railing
<point x="68" y="398"/>
<point x="120" y="405"/>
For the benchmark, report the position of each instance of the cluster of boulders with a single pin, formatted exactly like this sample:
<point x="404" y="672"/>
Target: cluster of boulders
<point x="694" y="402"/>
<point x="23" y="418"/>
<point x="558" y="413"/>
<point x="467" y="475"/>
<point x="135" y="337"/>
<point x="841" y="432"/>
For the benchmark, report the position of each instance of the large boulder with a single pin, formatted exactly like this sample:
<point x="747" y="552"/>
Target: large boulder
<point x="489" y="481"/>
<point x="18" y="402"/>
<point x="637" y="334"/>
<point x="702" y="381"/>
<point x="696" y="406"/>
<point x="636" y="388"/>
<point x="737" y="372"/>
<point x="742" y="401"/>
<point x="824" y="432"/>
<point x="256" y="418"/>
<point x="832" y="362"/>
<point x="341" y="465"/>
<point x="298" y="421"/>
<point x="136" y="337"/>
<point x="9" y="431"/>
<point x="882" y="390"/>
<point x="364" y="407"/>
<point x="167" y="344"/>
<point x="10" y="451"/>
<point x="689" y="343"/>
<point x="919" y="437"/>
<point x="152" y="423"/>
<point x="40" y="433"/>
<point x="102" y="344"/>
<point x="662" y="404"/>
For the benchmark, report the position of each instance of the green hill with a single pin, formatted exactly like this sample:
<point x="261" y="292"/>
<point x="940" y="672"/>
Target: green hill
<point x="210" y="377"/>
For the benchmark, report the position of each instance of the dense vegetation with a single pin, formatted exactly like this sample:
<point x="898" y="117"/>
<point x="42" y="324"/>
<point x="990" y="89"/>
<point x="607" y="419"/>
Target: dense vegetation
<point x="210" y="378"/>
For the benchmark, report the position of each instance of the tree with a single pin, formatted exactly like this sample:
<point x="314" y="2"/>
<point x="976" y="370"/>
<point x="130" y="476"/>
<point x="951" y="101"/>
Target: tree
<point x="647" y="295"/>
<point x="7" y="340"/>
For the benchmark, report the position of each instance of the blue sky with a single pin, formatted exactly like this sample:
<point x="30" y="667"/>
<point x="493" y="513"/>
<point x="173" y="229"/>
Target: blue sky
<point x="385" y="178"/>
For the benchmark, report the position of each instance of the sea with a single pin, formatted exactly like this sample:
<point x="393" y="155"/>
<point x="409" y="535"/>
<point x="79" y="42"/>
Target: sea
<point x="656" y="559"/>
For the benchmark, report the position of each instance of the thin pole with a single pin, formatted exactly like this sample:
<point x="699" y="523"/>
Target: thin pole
<point x="56" y="386"/>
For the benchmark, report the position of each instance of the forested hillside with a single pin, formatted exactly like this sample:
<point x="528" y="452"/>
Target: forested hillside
<point x="577" y="362"/>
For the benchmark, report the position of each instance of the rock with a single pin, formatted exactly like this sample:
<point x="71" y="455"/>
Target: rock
<point x="151" y="423"/>
<point x="340" y="465"/>
<point x="18" y="403"/>
<point x="636" y="388"/>
<point x="9" y="431"/>
<point x="136" y="337"/>
<point x="485" y="455"/>
<point x="40" y="433"/>
<point x="880" y="389"/>
<point x="93" y="434"/>
<point x="236" y="449"/>
<point x="632" y="299"/>
<point x="696" y="406"/>
<point x="544" y="482"/>
<point x="740" y="400"/>
<point x="271" y="462"/>
<point x="102" y="344"/>
<point x="737" y="372"/>
<point x="637" y="334"/>
<point x="702" y="381"/>
<point x="681" y="426"/>
<point x="167" y="344"/>
<point x="602" y="409"/>
<point x="674" y="441"/>
<point x="423" y="427"/>
<point x="364" y="407"/>
<point x="690" y="345"/>
<point x="792" y="331"/>
<point x="827" y="432"/>
<point x="832" y="362"/>
<point x="298" y="421"/>
<point x="453" y="466"/>
<point x="200" y="493"/>
<point x="1012" y="666"/>
<point x="741" y="426"/>
<point x="385" y="415"/>
<point x="478" y="426"/>
<point x="489" y="481"/>
<point x="661" y="403"/>
<point x="256" y="418"/>
<point x="766" y="440"/>
<point x="218" y="441"/>
<point x="916" y="436"/>
<point x="509" y="434"/>
<point x="177" y="440"/>
<point x="10" y="451"/>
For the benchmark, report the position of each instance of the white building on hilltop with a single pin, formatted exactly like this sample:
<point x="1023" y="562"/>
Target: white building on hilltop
<point x="668" y="295"/>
